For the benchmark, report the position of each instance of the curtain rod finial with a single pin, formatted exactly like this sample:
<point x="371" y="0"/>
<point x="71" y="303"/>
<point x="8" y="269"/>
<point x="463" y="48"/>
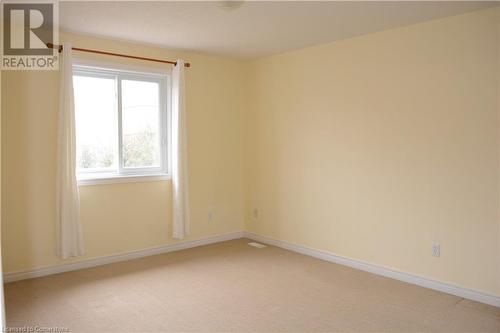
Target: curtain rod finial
<point x="52" y="46"/>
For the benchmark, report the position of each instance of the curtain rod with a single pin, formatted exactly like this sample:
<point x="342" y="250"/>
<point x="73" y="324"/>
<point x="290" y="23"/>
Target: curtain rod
<point x="60" y="47"/>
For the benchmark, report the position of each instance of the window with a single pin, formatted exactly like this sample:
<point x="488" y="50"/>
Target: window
<point x="121" y="123"/>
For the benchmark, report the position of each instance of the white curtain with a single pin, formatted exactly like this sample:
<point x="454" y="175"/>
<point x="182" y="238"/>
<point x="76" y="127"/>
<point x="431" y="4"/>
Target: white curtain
<point x="68" y="202"/>
<point x="180" y="184"/>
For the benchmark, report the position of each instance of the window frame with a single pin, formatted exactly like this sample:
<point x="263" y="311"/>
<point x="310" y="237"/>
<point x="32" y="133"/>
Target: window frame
<point x="126" y="72"/>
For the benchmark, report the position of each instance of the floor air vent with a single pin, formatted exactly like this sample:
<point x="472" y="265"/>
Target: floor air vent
<point x="257" y="245"/>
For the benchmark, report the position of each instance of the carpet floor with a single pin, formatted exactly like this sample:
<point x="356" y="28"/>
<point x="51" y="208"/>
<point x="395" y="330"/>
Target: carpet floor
<point x="234" y="287"/>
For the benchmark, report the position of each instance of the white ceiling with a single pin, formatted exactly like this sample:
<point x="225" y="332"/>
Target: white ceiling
<point x="254" y="29"/>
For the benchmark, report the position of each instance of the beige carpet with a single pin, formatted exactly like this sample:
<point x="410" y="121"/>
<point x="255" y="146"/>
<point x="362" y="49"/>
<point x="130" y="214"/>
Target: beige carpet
<point x="234" y="287"/>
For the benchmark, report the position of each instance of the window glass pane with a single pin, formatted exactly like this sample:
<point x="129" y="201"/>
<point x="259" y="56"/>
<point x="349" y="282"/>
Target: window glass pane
<point x="96" y="123"/>
<point x="140" y="124"/>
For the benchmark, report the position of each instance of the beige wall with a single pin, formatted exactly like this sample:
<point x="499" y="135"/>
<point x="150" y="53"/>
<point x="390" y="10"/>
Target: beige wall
<point x="2" y="307"/>
<point x="498" y="135"/>
<point x="498" y="138"/>
<point x="376" y="147"/>
<point x="118" y="217"/>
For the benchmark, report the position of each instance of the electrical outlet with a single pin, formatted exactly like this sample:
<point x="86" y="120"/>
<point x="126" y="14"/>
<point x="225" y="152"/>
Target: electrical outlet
<point x="255" y="213"/>
<point x="436" y="250"/>
<point x="210" y="216"/>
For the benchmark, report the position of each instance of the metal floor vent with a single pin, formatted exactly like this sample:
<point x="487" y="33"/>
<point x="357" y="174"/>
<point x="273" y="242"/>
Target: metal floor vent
<point x="257" y="245"/>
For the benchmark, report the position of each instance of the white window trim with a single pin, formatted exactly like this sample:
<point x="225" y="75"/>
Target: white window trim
<point x="163" y="76"/>
<point x="114" y="66"/>
<point x="116" y="178"/>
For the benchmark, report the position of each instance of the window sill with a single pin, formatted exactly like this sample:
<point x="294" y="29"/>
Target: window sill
<point x="113" y="179"/>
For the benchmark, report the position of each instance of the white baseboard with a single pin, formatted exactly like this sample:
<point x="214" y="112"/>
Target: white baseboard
<point x="379" y="270"/>
<point x="323" y="255"/>
<point x="16" y="276"/>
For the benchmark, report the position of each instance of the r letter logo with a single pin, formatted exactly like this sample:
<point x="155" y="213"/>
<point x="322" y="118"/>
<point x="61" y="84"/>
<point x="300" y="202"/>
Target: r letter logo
<point x="27" y="29"/>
